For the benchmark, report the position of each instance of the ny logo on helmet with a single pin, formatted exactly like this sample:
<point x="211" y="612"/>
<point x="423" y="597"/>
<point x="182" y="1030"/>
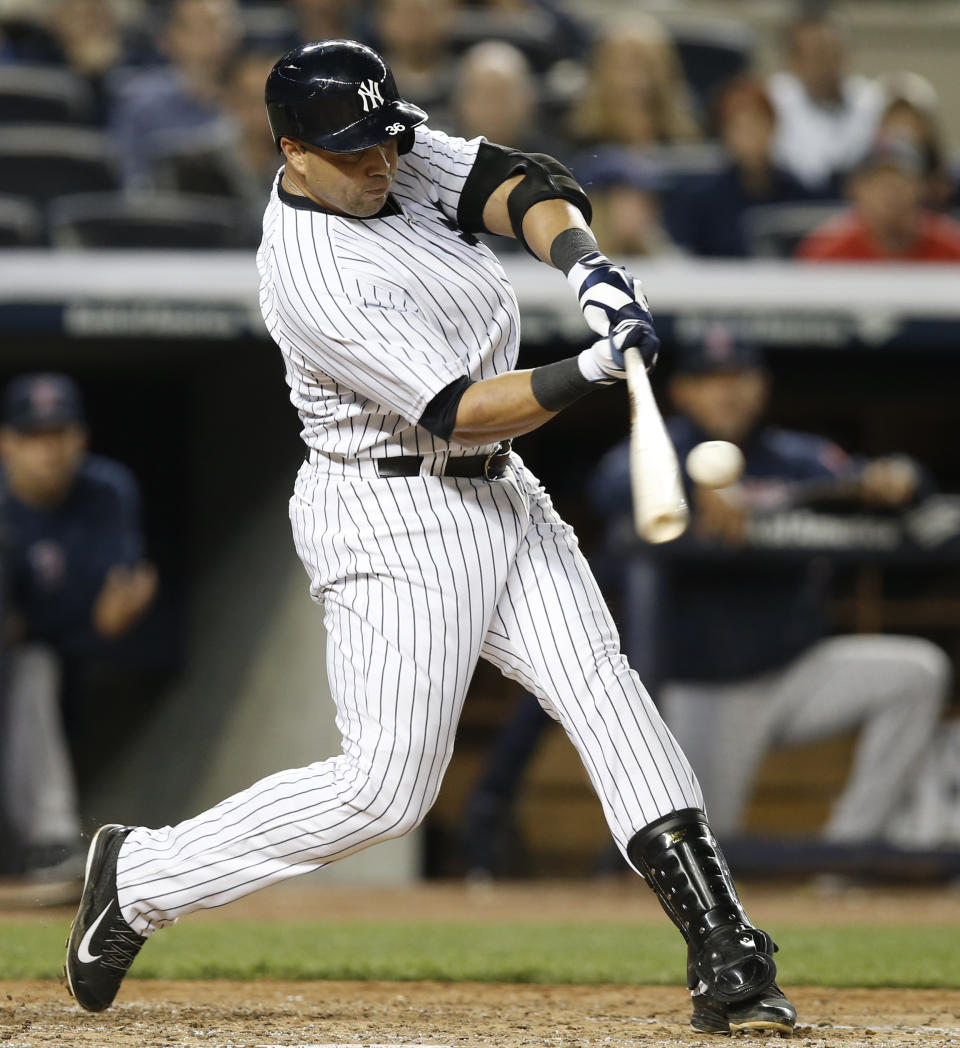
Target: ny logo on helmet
<point x="370" y="93"/>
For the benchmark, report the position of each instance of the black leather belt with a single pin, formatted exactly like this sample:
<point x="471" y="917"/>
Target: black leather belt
<point x="490" y="467"/>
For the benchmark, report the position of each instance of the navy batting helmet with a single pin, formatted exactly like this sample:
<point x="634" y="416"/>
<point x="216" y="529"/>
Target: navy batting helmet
<point x="339" y="95"/>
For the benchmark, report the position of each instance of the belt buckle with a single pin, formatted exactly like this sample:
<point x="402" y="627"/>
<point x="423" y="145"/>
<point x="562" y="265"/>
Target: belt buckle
<point x="500" y="451"/>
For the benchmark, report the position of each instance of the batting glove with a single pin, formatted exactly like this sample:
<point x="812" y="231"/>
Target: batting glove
<point x="603" y="361"/>
<point x="608" y="295"/>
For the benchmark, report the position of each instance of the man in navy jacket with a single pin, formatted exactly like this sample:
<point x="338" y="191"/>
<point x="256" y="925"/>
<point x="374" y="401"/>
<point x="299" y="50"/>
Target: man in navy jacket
<point x="76" y="581"/>
<point x="739" y="647"/>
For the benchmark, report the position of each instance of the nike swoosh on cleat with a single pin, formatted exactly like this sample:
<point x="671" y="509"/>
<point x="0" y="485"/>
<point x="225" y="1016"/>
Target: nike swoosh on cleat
<point x="83" y="951"/>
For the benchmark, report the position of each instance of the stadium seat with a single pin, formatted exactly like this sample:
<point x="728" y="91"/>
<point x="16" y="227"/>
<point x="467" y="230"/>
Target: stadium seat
<point x="26" y="38"/>
<point x="142" y="220"/>
<point x="41" y="94"/>
<point x="20" y="222"/>
<point x="775" y="230"/>
<point x="686" y="162"/>
<point x="188" y="162"/>
<point x="42" y="161"/>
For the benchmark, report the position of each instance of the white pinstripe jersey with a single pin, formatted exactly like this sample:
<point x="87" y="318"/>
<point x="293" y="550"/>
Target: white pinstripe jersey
<point x="375" y="316"/>
<point x="419" y="576"/>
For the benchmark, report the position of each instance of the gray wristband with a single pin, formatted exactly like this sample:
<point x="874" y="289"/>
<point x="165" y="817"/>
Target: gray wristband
<point x="570" y="246"/>
<point x="556" y="386"/>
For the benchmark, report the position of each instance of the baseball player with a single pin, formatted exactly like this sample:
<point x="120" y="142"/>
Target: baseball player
<point x="426" y="540"/>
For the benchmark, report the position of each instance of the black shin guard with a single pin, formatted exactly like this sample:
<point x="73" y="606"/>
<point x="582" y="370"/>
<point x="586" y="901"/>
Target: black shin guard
<point x="682" y="863"/>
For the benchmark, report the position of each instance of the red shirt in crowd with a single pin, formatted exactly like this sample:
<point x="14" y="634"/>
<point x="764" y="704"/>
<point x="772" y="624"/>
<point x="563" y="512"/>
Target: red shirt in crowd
<point x="847" y="239"/>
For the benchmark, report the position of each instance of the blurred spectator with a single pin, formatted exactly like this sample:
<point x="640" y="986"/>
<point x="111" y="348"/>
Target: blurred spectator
<point x="625" y="192"/>
<point x="279" y="28"/>
<point x="323" y="20"/>
<point x="199" y="39"/>
<point x="708" y="216"/>
<point x="495" y="95"/>
<point x="541" y="29"/>
<point x="78" y="582"/>
<point x="826" y="117"/>
<point x="912" y="113"/>
<point x="94" y="39"/>
<point x="415" y="38"/>
<point x="636" y="94"/>
<point x="737" y="645"/>
<point x="887" y="222"/>
<point x="239" y="160"/>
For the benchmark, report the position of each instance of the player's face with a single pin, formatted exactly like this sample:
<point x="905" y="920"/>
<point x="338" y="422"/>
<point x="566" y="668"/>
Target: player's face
<point x="726" y="405"/>
<point x="353" y="184"/>
<point x="40" y="466"/>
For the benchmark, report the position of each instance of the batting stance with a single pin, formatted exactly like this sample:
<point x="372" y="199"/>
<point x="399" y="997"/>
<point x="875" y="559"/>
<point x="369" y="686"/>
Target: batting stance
<point x="425" y="538"/>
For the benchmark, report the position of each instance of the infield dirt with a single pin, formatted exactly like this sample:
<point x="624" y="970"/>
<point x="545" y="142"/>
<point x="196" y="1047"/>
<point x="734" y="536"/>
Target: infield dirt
<point x="225" y="1014"/>
<point x="267" y="1013"/>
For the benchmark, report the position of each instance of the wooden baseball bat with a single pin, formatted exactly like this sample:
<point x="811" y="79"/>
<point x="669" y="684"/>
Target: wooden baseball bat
<point x="660" y="510"/>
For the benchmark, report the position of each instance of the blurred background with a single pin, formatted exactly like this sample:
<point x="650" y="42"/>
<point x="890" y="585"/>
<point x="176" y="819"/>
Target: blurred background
<point x="789" y="172"/>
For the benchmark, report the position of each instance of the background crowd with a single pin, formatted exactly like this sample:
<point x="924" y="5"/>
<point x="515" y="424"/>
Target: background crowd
<point x="131" y="123"/>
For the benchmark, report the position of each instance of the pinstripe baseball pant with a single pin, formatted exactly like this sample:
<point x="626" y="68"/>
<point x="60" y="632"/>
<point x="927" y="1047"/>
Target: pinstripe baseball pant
<point x="419" y="577"/>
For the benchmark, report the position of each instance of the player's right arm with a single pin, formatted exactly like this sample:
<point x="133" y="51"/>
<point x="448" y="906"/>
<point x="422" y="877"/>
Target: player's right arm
<point x="517" y="402"/>
<point x="498" y="408"/>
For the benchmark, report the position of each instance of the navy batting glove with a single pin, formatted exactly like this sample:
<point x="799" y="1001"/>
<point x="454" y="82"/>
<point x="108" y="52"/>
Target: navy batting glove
<point x="633" y="326"/>
<point x="603" y="361"/>
<point x="606" y="293"/>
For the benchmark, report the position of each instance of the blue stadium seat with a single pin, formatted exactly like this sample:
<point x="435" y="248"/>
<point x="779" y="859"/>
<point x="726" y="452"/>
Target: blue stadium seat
<point x="42" y="94"/>
<point x="41" y="161"/>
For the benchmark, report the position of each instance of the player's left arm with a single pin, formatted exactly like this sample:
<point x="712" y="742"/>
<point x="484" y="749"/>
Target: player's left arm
<point x="536" y="199"/>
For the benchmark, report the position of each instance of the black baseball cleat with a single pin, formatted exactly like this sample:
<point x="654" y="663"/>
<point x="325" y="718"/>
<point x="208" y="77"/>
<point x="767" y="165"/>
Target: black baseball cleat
<point x="769" y="1011"/>
<point x="101" y="946"/>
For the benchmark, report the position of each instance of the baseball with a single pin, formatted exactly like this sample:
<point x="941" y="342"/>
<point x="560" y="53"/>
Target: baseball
<point x="715" y="464"/>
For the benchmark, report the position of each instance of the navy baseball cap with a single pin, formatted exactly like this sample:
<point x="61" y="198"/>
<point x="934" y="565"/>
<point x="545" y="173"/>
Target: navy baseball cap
<point x="720" y="349"/>
<point x="41" y="400"/>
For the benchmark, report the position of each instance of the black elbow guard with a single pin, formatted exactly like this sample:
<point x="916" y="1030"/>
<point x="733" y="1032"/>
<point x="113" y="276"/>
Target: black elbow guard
<point x="543" y="179"/>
